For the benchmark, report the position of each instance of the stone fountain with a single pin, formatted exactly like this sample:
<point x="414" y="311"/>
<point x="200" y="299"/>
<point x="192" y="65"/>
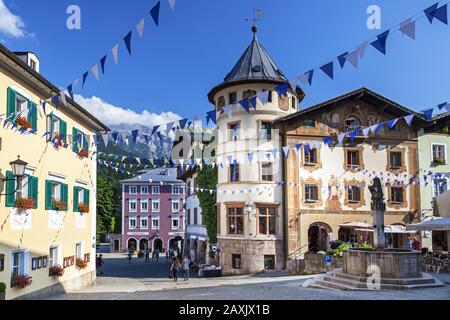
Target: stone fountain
<point x="378" y="268"/>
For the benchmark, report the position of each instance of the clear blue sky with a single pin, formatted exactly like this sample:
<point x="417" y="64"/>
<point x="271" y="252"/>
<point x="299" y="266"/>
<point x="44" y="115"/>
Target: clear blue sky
<point x="175" y="65"/>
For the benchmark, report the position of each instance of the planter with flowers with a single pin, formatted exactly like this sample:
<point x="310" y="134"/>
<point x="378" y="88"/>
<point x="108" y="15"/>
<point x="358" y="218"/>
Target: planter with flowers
<point x="439" y="161"/>
<point x="59" y="205"/>
<point x="81" y="264"/>
<point x="23" y="122"/>
<point x="83" y="153"/>
<point x="24" y="204"/>
<point x="58" y="141"/>
<point x="21" y="281"/>
<point x="2" y="291"/>
<point x="83" y="208"/>
<point x="56" y="271"/>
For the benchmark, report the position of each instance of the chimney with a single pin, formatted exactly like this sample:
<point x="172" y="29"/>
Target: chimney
<point x="30" y="59"/>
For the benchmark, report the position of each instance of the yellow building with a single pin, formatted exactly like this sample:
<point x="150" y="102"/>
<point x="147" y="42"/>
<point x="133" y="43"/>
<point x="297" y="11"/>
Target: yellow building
<point x="42" y="228"/>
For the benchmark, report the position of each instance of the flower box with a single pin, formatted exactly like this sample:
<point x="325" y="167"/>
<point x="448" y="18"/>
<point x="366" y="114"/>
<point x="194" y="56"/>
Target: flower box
<point x="81" y="264"/>
<point x="21" y="281"/>
<point x="23" y="122"/>
<point x="439" y="161"/>
<point x="59" y="205"/>
<point x="83" y="153"/>
<point x="58" y="141"/>
<point x="83" y="208"/>
<point x="56" y="271"/>
<point x="24" y="204"/>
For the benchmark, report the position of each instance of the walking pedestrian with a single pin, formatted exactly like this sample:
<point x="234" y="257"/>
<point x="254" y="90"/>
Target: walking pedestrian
<point x="147" y="255"/>
<point x="174" y="267"/>
<point x="186" y="266"/>
<point x="153" y="255"/>
<point x="416" y="244"/>
<point x="130" y="254"/>
<point x="99" y="263"/>
<point x="157" y="255"/>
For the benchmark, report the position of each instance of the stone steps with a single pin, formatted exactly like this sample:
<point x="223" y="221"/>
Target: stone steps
<point x="336" y="280"/>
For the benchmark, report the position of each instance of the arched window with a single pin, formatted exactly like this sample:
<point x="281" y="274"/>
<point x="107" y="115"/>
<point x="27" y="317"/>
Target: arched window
<point x="352" y="123"/>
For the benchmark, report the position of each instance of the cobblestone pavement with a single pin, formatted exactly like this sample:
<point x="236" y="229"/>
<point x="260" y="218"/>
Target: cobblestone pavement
<point x="149" y="281"/>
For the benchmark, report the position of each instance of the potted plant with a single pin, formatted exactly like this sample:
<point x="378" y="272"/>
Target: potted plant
<point x="439" y="160"/>
<point x="58" y="142"/>
<point x="83" y="153"/>
<point x="24" y="204"/>
<point x="2" y="291"/>
<point x="23" y="122"/>
<point x="21" y="281"/>
<point x="83" y="208"/>
<point x="59" y="205"/>
<point x="81" y="264"/>
<point x="56" y="271"/>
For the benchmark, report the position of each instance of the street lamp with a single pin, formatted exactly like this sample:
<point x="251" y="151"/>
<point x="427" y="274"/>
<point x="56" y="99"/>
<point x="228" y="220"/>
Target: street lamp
<point x="249" y="208"/>
<point x="18" y="169"/>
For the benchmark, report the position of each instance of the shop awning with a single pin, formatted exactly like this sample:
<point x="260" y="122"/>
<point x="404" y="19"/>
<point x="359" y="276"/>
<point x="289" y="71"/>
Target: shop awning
<point x="356" y="225"/>
<point x="389" y="229"/>
<point x="438" y="224"/>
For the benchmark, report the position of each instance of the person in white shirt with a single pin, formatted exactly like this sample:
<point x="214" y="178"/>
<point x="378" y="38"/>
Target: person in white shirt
<point x="186" y="266"/>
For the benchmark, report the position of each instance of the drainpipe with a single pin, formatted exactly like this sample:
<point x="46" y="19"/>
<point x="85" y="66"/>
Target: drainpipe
<point x="285" y="207"/>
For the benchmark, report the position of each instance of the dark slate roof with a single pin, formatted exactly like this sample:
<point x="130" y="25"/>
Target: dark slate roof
<point x="156" y="176"/>
<point x="362" y="93"/>
<point x="254" y="65"/>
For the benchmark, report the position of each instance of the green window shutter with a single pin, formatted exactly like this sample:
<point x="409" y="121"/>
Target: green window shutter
<point x="48" y="195"/>
<point x="33" y="190"/>
<point x="11" y="108"/>
<point x="63" y="129"/>
<point x="75" y="140"/>
<point x="75" y="199"/>
<point x="10" y="199"/>
<point x="65" y="194"/>
<point x="86" y="196"/>
<point x="32" y="114"/>
<point x="50" y="126"/>
<point x="85" y="143"/>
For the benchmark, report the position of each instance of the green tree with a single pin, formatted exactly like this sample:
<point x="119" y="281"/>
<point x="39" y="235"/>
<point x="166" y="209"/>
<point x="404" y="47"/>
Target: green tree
<point x="106" y="208"/>
<point x="207" y="179"/>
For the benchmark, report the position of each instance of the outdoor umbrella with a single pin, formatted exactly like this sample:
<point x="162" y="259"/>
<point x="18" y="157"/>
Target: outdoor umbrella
<point x="438" y="224"/>
<point x="441" y="205"/>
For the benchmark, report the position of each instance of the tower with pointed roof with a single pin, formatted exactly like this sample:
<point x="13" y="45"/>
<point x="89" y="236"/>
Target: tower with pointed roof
<point x="251" y="222"/>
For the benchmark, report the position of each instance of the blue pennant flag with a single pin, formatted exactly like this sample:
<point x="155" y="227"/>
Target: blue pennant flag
<point x="327" y="141"/>
<point x="85" y="75"/>
<point x="310" y="76"/>
<point x="286" y="151"/>
<point x="44" y="103"/>
<point x="115" y="135"/>
<point x="392" y="123"/>
<point x="282" y="89"/>
<point x="380" y="43"/>
<point x="442" y="105"/>
<point x="353" y="134"/>
<point x="211" y="115"/>
<point x="70" y="90"/>
<point x="127" y="40"/>
<point x="102" y="63"/>
<point x="342" y="59"/>
<point x="155" y="128"/>
<point x="154" y="12"/>
<point x="55" y="101"/>
<point x="430" y="10"/>
<point x="441" y="14"/>
<point x="245" y="105"/>
<point x="428" y="114"/>
<point x="307" y="148"/>
<point x="253" y="102"/>
<point x="134" y="135"/>
<point x="328" y="69"/>
<point x="183" y="123"/>
<point x="298" y="147"/>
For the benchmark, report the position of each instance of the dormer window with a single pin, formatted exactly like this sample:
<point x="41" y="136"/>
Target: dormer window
<point x="232" y="98"/>
<point x="33" y="64"/>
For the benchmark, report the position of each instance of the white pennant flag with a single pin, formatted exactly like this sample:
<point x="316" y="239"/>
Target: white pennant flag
<point x="140" y="27"/>
<point x="62" y="94"/>
<point x="304" y="78"/>
<point x="341" y="138"/>
<point x="362" y="49"/>
<point x="228" y="110"/>
<point x="366" y="132"/>
<point x="95" y="71"/>
<point x="352" y="57"/>
<point x="264" y="97"/>
<point x="115" y="52"/>
<point x="172" y="4"/>
<point x="105" y="139"/>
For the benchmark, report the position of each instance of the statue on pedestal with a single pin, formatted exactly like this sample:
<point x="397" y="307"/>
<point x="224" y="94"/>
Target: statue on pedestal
<point x="378" y="209"/>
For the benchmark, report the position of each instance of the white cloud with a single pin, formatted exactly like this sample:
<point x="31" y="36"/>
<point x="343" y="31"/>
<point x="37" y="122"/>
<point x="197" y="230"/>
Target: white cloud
<point x="113" y="115"/>
<point x="10" y="24"/>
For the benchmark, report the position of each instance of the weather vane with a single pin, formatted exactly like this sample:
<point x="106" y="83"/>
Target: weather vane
<point x="257" y="14"/>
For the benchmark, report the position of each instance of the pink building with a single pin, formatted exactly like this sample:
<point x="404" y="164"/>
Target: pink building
<point x="153" y="214"/>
